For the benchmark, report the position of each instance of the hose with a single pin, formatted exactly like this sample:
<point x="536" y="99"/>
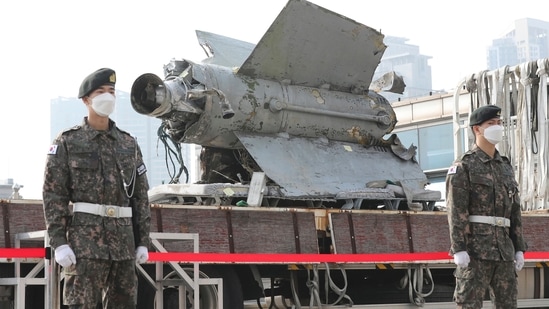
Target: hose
<point x="415" y="284"/>
<point x="314" y="288"/>
<point x="528" y="119"/>
<point x="313" y="285"/>
<point x="541" y="72"/>
<point x="512" y="102"/>
<point x="293" y="280"/>
<point x="340" y="292"/>
<point x="501" y="84"/>
<point x="520" y="91"/>
<point x="273" y="303"/>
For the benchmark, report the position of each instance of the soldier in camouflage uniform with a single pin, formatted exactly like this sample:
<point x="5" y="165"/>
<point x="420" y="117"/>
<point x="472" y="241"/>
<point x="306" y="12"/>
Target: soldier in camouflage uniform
<point x="99" y="168"/>
<point x="484" y="217"/>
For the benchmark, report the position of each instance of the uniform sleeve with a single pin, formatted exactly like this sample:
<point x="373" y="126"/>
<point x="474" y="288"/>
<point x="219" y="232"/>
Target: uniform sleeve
<point x="515" y="231"/>
<point x="55" y="193"/>
<point x="142" y="206"/>
<point x="457" y="203"/>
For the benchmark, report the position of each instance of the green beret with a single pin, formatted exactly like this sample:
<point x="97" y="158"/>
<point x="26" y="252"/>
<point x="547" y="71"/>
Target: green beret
<point x="95" y="80"/>
<point x="484" y="113"/>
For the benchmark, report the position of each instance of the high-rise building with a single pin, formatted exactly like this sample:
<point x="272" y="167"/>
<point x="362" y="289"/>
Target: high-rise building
<point x="161" y="160"/>
<point x="406" y="61"/>
<point x="526" y="41"/>
<point x="503" y="50"/>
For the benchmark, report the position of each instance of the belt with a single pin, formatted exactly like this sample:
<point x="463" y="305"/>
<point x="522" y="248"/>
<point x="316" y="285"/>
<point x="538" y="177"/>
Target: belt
<point x="103" y="210"/>
<point x="496" y="221"/>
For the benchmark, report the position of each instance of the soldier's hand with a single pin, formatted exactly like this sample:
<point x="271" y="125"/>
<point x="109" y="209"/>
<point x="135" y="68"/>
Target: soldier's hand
<point x="462" y="259"/>
<point x="141" y="254"/>
<point x="519" y="260"/>
<point x="65" y="256"/>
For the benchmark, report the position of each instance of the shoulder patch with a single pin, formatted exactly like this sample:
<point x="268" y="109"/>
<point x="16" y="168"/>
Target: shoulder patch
<point x="468" y="153"/>
<point x="123" y="131"/>
<point x="141" y="169"/>
<point x="52" y="150"/>
<point x="452" y="170"/>
<point x="75" y="128"/>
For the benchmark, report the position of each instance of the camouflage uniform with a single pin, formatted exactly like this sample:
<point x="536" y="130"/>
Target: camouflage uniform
<point x="86" y="165"/>
<point x="479" y="185"/>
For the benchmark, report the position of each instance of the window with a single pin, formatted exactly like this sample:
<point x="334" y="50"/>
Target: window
<point x="435" y="145"/>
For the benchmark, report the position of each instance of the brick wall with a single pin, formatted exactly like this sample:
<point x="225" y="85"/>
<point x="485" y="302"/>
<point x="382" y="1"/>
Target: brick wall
<point x="19" y="217"/>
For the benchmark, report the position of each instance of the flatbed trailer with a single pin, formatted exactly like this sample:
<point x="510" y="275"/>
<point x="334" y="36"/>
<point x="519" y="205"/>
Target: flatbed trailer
<point x="262" y="256"/>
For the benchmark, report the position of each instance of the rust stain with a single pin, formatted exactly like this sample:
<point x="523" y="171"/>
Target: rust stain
<point x="355" y="133"/>
<point x="318" y="97"/>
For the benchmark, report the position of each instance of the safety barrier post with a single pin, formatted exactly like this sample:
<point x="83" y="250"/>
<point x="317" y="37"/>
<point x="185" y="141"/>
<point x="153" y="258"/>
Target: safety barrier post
<point x="19" y="282"/>
<point x="186" y="282"/>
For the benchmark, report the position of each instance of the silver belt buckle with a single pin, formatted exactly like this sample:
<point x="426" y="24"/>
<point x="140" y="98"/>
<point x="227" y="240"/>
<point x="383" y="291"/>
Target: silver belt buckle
<point x="499" y="222"/>
<point x="110" y="211"/>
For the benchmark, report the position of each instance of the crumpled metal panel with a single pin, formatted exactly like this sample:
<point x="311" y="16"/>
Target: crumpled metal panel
<point x="312" y="46"/>
<point x="317" y="167"/>
<point x="223" y="50"/>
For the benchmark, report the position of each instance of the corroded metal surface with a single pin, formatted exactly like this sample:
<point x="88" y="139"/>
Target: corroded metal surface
<point x="312" y="46"/>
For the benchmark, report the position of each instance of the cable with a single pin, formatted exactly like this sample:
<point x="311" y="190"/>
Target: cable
<point x="172" y="155"/>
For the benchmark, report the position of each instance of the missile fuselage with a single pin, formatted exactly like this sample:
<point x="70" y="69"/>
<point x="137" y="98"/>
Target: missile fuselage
<point x="264" y="107"/>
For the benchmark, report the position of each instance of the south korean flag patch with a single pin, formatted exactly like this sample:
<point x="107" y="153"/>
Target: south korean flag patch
<point x="141" y="169"/>
<point x="52" y="150"/>
<point x="452" y="170"/>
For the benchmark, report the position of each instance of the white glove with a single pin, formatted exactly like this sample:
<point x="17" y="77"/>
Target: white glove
<point x="461" y="258"/>
<point x="141" y="254"/>
<point x="65" y="256"/>
<point x="519" y="260"/>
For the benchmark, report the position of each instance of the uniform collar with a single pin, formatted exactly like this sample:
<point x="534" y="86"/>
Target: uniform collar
<point x="485" y="157"/>
<point x="92" y="133"/>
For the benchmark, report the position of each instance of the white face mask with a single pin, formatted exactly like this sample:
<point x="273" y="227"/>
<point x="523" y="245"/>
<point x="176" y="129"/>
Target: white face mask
<point x="103" y="104"/>
<point x="494" y="134"/>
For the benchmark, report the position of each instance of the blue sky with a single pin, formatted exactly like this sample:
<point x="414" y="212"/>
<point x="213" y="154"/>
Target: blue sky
<point x="48" y="47"/>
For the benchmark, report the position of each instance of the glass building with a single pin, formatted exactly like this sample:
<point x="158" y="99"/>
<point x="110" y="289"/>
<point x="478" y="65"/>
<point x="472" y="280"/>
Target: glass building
<point x="527" y="40"/>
